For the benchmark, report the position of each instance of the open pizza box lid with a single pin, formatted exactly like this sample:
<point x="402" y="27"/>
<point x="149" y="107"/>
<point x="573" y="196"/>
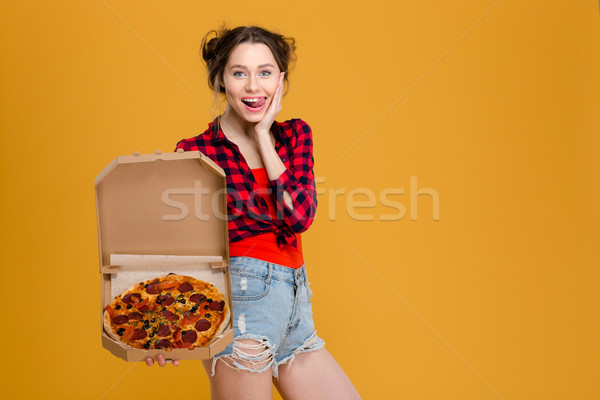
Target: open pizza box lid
<point x="161" y="213"/>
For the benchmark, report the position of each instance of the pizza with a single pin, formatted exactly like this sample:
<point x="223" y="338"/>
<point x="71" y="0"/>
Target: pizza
<point x="172" y="311"/>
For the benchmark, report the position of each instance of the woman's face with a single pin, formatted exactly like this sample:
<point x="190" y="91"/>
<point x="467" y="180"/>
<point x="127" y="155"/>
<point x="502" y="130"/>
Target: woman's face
<point x="250" y="79"/>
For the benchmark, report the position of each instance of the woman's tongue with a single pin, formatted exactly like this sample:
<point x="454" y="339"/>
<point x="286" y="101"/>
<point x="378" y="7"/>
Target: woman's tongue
<point x="256" y="104"/>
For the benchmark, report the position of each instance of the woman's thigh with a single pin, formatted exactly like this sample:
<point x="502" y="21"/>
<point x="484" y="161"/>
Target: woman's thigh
<point x="314" y="375"/>
<point x="230" y="383"/>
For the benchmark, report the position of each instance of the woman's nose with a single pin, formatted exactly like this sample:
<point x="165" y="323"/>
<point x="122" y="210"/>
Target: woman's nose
<point x="252" y="84"/>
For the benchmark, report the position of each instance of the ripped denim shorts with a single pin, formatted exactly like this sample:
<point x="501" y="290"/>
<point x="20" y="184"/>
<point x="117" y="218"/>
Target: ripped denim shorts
<point x="271" y="306"/>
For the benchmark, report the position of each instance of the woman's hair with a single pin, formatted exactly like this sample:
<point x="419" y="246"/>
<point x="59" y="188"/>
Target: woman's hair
<point x="218" y="45"/>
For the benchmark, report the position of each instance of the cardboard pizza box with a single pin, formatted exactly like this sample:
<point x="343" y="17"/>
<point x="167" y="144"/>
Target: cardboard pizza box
<point x="161" y="213"/>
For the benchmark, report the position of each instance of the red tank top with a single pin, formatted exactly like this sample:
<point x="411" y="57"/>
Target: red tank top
<point x="264" y="246"/>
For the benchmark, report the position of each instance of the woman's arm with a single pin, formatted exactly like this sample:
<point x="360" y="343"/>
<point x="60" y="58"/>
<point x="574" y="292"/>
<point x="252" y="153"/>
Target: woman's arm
<point x="295" y="193"/>
<point x="273" y="165"/>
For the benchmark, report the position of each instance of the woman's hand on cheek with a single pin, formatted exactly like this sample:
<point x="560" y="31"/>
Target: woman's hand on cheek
<point x="274" y="108"/>
<point x="160" y="359"/>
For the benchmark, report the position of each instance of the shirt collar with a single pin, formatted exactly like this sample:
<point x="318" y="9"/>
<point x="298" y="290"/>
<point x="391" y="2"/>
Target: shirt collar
<point x="217" y="135"/>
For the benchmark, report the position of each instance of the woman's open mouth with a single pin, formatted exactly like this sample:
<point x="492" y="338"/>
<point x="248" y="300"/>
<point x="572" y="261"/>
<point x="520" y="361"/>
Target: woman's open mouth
<point x="254" y="104"/>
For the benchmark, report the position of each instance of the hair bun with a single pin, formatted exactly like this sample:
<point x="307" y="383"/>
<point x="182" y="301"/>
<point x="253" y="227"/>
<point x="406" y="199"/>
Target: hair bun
<point x="209" y="47"/>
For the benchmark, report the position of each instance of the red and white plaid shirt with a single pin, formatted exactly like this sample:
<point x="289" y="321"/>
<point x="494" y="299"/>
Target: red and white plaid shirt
<point x="248" y="213"/>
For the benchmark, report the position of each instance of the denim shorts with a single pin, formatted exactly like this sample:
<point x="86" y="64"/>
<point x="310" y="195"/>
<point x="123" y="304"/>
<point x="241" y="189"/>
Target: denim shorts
<point x="272" y="306"/>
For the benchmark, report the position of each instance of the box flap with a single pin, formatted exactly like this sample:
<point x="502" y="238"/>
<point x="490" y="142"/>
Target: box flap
<point x="167" y="204"/>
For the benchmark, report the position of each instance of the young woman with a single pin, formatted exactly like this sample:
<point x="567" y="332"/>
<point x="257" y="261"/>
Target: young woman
<point x="271" y="200"/>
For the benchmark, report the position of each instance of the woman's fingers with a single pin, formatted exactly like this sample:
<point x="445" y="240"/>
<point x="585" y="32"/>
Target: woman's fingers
<point x="275" y="105"/>
<point x="274" y="108"/>
<point x="279" y="93"/>
<point x="160" y="359"/>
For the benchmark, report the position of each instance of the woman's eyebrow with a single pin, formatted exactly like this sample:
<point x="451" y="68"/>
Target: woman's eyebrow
<point x="244" y="67"/>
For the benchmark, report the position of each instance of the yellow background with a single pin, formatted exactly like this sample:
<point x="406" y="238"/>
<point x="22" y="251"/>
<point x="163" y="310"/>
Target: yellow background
<point x="491" y="104"/>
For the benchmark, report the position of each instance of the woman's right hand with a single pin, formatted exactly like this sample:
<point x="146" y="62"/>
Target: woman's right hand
<point x="160" y="359"/>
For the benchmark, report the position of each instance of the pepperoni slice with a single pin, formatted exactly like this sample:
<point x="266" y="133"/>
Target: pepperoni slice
<point x="135" y="315"/>
<point x="164" y="330"/>
<point x="202" y="325"/>
<point x="185" y="287"/>
<point x="197" y="298"/>
<point x="189" y="336"/>
<point x="120" y="319"/>
<point x="217" y="305"/>
<point x="165" y="300"/>
<point x="132" y="298"/>
<point x="170" y="315"/>
<point x="138" y="334"/>
<point x="152" y="288"/>
<point x="163" y="344"/>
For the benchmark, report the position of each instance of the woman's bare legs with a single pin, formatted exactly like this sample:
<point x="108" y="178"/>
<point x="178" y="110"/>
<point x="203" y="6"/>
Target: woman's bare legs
<point x="314" y="375"/>
<point x="229" y="383"/>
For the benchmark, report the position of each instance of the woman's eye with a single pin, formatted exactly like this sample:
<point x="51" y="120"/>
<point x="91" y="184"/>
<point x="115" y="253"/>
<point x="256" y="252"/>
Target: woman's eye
<point x="238" y="74"/>
<point x="265" y="73"/>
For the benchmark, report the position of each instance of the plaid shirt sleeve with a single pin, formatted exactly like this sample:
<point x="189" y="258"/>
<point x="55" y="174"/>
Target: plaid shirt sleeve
<point x="299" y="182"/>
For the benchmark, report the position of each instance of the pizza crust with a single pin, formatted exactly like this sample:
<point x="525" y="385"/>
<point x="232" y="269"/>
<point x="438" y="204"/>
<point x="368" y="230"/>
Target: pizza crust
<point x="109" y="331"/>
<point x="224" y="324"/>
